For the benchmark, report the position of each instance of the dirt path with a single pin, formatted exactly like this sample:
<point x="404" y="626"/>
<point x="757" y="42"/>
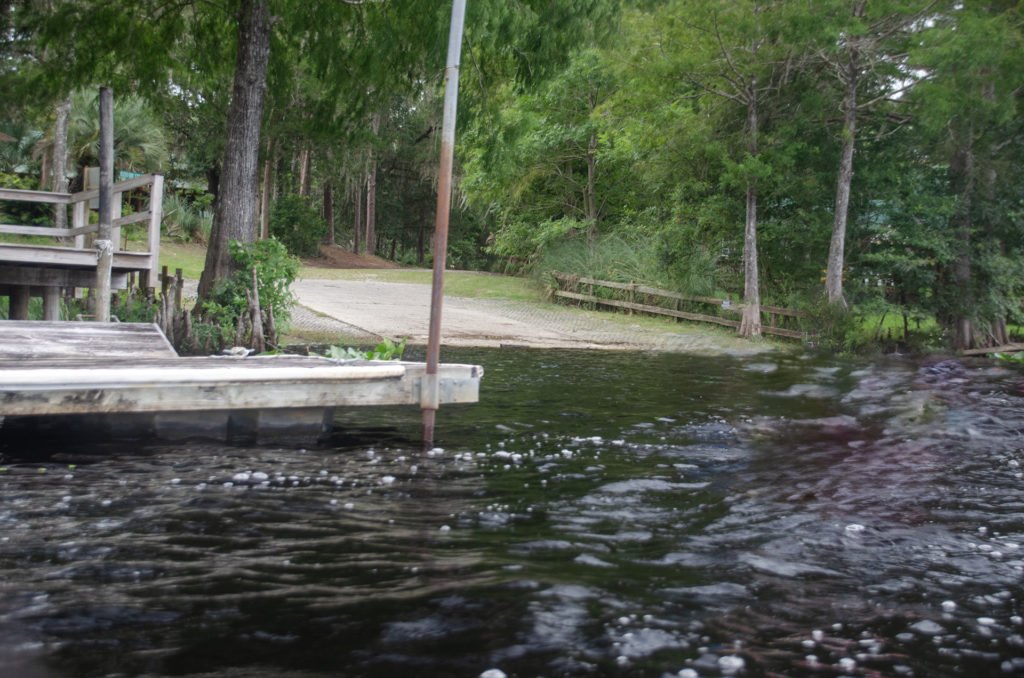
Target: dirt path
<point x="374" y="309"/>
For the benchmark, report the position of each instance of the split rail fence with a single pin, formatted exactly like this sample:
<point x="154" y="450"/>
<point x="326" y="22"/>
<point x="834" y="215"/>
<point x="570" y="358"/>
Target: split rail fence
<point x="633" y="297"/>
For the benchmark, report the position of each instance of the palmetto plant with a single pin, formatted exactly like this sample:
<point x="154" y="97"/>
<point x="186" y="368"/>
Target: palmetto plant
<point x="18" y="141"/>
<point x="140" y="141"/>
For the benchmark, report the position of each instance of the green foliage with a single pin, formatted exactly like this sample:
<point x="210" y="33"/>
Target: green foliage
<point x="23" y="213"/>
<point x="296" y="224"/>
<point x="275" y="272"/>
<point x="385" y="350"/>
<point x="140" y="141"/>
<point x="186" y="221"/>
<point x="1012" y="358"/>
<point x="610" y="257"/>
<point x="134" y="308"/>
<point x="596" y="137"/>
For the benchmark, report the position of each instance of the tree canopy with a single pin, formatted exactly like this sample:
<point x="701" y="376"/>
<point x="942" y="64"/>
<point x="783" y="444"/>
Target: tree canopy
<point x="855" y="153"/>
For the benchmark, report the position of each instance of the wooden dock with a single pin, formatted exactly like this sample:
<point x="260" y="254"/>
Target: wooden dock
<point x="126" y="377"/>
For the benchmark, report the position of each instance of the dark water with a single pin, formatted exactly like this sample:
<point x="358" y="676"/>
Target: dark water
<point x="597" y="514"/>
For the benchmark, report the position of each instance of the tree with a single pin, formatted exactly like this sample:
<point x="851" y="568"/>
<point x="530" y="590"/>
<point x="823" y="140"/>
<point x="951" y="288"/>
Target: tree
<point x="235" y="212"/>
<point x="969" y="108"/>
<point x="743" y="56"/>
<point x="861" y="55"/>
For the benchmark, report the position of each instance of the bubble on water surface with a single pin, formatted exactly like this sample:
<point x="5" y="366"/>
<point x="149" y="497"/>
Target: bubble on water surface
<point x="927" y="627"/>
<point x="592" y="561"/>
<point x="813" y="391"/>
<point x="730" y="665"/>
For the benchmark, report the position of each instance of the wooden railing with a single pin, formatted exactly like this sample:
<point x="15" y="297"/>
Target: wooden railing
<point x="633" y="297"/>
<point x="148" y="265"/>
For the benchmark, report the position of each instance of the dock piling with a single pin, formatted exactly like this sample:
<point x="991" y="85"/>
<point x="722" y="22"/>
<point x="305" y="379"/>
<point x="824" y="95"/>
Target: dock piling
<point x="429" y="396"/>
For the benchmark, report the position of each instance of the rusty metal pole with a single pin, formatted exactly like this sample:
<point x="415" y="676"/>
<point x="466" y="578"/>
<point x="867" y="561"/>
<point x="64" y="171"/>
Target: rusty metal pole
<point x="430" y="396"/>
<point x="104" y="245"/>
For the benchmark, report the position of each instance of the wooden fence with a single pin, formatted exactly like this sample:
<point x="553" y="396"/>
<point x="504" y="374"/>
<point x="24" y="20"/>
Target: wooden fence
<point x="632" y="297"/>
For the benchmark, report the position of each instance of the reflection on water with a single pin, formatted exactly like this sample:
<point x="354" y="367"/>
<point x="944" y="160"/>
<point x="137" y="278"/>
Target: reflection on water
<point x="596" y="514"/>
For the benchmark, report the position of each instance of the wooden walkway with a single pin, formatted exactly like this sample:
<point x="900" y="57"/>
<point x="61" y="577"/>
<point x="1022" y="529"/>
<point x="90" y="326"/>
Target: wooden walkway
<point x="55" y="369"/>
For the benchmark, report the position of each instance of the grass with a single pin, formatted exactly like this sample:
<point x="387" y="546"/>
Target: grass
<point x="470" y="284"/>
<point x="189" y="257"/>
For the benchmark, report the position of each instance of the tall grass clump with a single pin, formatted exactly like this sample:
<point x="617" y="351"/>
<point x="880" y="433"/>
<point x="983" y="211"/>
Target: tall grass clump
<point x="629" y="259"/>
<point x="185" y="221"/>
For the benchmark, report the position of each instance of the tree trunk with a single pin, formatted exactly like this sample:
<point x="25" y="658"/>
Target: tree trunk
<point x="268" y="187"/>
<point x="371" y="194"/>
<point x="329" y="212"/>
<point x="305" y="165"/>
<point x="420" y="238"/>
<point x="60" y="160"/>
<point x="357" y="223"/>
<point x="371" y="209"/>
<point x="45" y="178"/>
<point x="590" y="194"/>
<point x="212" y="183"/>
<point x="836" y="252"/>
<point x="235" y="215"/>
<point x="750" y="322"/>
<point x="962" y="169"/>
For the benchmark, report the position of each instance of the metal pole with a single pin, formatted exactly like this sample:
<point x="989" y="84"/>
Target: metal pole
<point x="104" y="246"/>
<point x="430" y="391"/>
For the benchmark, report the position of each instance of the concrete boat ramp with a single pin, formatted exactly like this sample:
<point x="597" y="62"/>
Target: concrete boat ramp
<point x="125" y="380"/>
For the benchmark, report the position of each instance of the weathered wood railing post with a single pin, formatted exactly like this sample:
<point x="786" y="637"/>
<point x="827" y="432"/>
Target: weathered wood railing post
<point x="156" y="210"/>
<point x="104" y="246"/>
<point x="79" y="220"/>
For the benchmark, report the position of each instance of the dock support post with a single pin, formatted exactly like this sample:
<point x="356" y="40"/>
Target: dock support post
<point x="51" y="303"/>
<point x="19" y="302"/>
<point x="104" y="246"/>
<point x="429" y="395"/>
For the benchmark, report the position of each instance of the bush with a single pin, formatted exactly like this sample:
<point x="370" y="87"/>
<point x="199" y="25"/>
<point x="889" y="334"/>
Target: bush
<point x="186" y="222"/>
<point x="275" y="272"/>
<point x="610" y="257"/>
<point x="23" y="213"/>
<point x="296" y="223"/>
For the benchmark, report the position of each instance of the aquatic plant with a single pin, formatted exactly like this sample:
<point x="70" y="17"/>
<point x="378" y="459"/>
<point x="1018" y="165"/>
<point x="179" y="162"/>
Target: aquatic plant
<point x="385" y="350"/>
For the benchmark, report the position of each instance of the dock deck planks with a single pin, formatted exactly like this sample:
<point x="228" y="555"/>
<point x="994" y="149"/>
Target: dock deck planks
<point x="33" y="340"/>
<point x="121" y="368"/>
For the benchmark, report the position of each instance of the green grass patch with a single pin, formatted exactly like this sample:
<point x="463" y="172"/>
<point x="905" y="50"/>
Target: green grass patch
<point x="874" y="325"/>
<point x="471" y="284"/>
<point x="189" y="257"/>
